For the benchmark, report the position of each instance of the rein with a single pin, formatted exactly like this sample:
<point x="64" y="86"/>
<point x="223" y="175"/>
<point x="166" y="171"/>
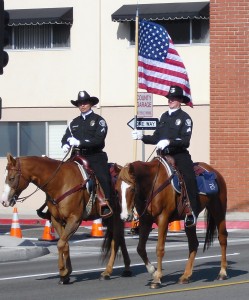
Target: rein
<point x="158" y="190"/>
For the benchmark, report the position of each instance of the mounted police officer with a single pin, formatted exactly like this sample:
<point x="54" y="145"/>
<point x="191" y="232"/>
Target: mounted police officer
<point x="172" y="136"/>
<point x="87" y="132"/>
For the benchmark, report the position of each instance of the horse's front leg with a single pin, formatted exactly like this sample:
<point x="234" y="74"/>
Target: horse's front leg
<point x="162" y="233"/>
<point x="144" y="231"/>
<point x="64" y="260"/>
<point x="193" y="245"/>
<point x="127" y="261"/>
<point x="118" y="240"/>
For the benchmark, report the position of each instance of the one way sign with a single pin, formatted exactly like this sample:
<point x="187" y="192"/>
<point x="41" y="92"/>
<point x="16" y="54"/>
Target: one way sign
<point x="144" y="123"/>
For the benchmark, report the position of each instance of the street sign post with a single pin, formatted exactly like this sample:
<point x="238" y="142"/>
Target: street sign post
<point x="143" y="123"/>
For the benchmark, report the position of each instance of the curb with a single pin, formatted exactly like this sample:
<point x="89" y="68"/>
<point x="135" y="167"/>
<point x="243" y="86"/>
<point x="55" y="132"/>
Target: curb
<point x="19" y="253"/>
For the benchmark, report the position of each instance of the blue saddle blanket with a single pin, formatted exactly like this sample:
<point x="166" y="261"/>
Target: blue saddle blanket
<point x="206" y="183"/>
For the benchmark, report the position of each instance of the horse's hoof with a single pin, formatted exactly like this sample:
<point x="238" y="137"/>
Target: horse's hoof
<point x="222" y="277"/>
<point x="104" y="277"/>
<point x="64" y="280"/>
<point x="154" y="285"/>
<point x="127" y="273"/>
<point x="183" y="281"/>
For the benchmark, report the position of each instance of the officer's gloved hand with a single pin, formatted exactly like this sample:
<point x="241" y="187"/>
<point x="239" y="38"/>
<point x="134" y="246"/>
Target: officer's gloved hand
<point x="73" y="141"/>
<point x="162" y="144"/>
<point x="65" y="148"/>
<point x="136" y="135"/>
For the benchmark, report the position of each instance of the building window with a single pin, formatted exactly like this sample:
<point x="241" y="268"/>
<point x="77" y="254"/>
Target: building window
<point x="32" y="138"/>
<point x="183" y="32"/>
<point x="47" y="36"/>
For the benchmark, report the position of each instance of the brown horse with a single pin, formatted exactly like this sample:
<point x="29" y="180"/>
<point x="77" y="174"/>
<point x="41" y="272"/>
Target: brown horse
<point x="68" y="202"/>
<point x="146" y="186"/>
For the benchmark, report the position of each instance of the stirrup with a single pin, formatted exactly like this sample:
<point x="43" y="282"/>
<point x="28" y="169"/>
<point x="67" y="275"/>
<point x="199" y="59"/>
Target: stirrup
<point x="193" y="223"/>
<point x="105" y="206"/>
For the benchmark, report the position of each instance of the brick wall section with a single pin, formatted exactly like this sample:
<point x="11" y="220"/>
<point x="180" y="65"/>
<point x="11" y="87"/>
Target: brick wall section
<point x="229" y="102"/>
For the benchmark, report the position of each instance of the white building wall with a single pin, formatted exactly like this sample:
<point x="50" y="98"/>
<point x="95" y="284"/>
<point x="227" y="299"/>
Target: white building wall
<point x="38" y="85"/>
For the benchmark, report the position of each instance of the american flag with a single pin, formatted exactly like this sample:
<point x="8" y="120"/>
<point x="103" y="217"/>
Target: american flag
<point x="159" y="64"/>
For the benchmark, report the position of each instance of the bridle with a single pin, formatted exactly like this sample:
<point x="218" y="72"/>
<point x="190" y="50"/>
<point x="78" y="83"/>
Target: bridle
<point x="20" y="175"/>
<point x="153" y="192"/>
<point x="19" y="172"/>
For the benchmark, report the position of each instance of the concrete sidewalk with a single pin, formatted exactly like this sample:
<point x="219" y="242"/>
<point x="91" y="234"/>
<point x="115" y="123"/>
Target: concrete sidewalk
<point x="16" y="249"/>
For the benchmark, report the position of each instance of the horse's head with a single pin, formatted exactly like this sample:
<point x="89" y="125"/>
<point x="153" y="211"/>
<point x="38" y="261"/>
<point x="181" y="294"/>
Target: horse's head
<point x="125" y="187"/>
<point x="14" y="184"/>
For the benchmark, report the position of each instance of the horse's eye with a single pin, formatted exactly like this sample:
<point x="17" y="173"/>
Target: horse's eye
<point x="11" y="179"/>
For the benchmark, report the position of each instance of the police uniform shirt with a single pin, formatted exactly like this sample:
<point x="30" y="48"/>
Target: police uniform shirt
<point x="176" y="127"/>
<point x="90" y="130"/>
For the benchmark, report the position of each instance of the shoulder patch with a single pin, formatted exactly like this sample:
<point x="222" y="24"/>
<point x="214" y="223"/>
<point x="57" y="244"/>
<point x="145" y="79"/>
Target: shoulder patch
<point x="188" y="122"/>
<point x="102" y="123"/>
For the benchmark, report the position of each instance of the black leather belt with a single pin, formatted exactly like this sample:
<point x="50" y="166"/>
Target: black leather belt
<point x="171" y="150"/>
<point x="89" y="151"/>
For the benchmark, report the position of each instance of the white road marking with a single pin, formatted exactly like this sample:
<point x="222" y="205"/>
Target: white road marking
<point x="117" y="267"/>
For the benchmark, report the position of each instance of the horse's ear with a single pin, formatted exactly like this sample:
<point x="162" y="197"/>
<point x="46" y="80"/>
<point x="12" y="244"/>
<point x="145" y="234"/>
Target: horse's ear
<point x="11" y="159"/>
<point x="117" y="167"/>
<point x="131" y="170"/>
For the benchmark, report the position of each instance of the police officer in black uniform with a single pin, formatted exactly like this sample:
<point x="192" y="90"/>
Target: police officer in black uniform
<point x="88" y="132"/>
<point x="172" y="136"/>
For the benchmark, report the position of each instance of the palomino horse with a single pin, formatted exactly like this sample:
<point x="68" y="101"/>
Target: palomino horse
<point x="68" y="202"/>
<point x="146" y="185"/>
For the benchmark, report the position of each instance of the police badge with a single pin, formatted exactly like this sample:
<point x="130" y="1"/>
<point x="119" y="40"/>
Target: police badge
<point x="178" y="122"/>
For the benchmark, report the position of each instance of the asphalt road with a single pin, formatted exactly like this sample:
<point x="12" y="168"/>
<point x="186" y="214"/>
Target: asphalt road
<point x="38" y="278"/>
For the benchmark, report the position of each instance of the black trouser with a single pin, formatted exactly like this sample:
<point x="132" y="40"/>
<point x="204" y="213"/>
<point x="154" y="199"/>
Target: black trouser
<point x="185" y="165"/>
<point x="98" y="162"/>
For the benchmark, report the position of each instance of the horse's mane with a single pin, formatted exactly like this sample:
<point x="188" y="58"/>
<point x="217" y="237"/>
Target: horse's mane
<point x="125" y="174"/>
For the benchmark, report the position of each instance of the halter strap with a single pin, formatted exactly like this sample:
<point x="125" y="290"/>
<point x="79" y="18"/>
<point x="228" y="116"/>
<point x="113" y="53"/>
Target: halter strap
<point x="19" y="172"/>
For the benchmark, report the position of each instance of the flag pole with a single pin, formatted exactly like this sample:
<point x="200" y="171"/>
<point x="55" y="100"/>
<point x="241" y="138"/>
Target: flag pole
<point x="136" y="82"/>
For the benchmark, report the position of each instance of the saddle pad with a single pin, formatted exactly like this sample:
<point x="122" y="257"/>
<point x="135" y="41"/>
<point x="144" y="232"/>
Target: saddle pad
<point x="206" y="183"/>
<point x="89" y="184"/>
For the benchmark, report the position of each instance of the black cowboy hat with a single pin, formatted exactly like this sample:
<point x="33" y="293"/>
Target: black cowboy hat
<point x="84" y="97"/>
<point x="177" y="92"/>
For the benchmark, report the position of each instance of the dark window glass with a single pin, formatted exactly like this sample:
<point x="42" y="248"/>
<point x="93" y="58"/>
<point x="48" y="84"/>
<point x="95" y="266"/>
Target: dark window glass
<point x="181" y="31"/>
<point x="8" y="138"/>
<point x="46" y="36"/>
<point x="32" y="138"/>
<point x="200" y="31"/>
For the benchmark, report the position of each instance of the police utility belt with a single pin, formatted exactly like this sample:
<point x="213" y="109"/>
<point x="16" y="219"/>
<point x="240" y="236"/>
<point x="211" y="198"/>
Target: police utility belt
<point x="171" y="150"/>
<point x="88" y="151"/>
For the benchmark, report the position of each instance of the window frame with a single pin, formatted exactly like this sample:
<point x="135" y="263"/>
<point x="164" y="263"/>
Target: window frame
<point x="52" y="28"/>
<point x="16" y="140"/>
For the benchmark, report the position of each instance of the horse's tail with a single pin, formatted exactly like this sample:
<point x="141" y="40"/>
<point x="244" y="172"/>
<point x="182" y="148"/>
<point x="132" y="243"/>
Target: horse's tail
<point x="211" y="230"/>
<point x="114" y="232"/>
<point x="106" y="246"/>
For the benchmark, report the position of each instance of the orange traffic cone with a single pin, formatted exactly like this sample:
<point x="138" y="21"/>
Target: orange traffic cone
<point x="15" y="225"/>
<point x="97" y="228"/>
<point x="48" y="233"/>
<point x="175" y="226"/>
<point x="134" y="227"/>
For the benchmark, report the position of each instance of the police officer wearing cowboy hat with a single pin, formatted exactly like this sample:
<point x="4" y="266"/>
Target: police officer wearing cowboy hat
<point x="172" y="136"/>
<point x="88" y="132"/>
